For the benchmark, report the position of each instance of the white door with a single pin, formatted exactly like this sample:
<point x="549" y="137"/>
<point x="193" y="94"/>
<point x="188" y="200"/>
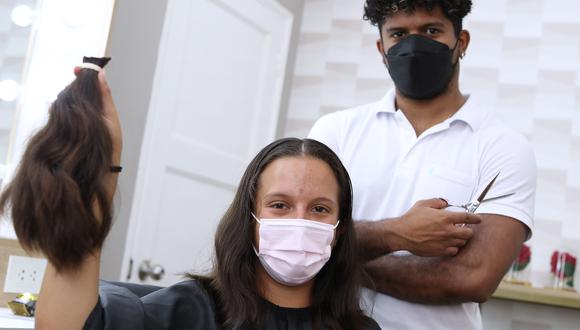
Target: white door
<point x="215" y="103"/>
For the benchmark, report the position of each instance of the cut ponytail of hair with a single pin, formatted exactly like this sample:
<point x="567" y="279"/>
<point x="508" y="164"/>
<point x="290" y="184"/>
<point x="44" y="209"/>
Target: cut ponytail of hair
<point x="58" y="200"/>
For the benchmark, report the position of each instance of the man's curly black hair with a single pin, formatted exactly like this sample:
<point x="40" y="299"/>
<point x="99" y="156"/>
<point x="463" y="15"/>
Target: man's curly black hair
<point x="378" y="11"/>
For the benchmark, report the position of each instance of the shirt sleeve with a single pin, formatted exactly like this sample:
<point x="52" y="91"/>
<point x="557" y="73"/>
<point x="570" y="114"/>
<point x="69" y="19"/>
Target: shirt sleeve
<point x="326" y="130"/>
<point x="185" y="305"/>
<point x="512" y="157"/>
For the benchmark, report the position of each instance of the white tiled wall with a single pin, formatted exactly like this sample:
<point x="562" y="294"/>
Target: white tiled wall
<point x="524" y="58"/>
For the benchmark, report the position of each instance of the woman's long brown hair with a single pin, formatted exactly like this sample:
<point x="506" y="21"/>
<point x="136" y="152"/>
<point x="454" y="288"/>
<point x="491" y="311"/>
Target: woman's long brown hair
<point x="57" y="200"/>
<point x="336" y="292"/>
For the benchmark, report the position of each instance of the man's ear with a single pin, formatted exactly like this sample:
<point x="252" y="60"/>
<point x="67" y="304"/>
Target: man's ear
<point x="464" y="39"/>
<point x="381" y="50"/>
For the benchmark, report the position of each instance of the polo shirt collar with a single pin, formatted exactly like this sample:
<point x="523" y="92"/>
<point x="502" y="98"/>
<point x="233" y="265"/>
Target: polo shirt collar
<point x="387" y="103"/>
<point x="470" y="113"/>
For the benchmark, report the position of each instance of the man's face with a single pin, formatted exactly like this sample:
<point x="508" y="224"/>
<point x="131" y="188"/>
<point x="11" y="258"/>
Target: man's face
<point x="432" y="24"/>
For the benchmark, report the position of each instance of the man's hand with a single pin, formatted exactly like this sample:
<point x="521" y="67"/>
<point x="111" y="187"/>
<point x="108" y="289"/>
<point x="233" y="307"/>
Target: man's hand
<point x="427" y="230"/>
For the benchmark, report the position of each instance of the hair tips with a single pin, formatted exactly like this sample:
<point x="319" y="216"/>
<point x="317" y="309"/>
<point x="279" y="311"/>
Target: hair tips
<point x="57" y="199"/>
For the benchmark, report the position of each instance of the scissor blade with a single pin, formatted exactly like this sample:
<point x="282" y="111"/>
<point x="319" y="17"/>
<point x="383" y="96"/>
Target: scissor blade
<point x="497" y="197"/>
<point x="484" y="192"/>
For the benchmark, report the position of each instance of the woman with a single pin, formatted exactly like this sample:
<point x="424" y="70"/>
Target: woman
<point x="285" y="256"/>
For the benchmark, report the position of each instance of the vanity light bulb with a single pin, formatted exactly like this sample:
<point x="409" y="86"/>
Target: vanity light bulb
<point x="9" y="90"/>
<point x="22" y="15"/>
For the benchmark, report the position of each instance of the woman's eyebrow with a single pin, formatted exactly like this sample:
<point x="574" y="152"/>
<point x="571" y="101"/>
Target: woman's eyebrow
<point x="280" y="195"/>
<point x="276" y="195"/>
<point x="326" y="199"/>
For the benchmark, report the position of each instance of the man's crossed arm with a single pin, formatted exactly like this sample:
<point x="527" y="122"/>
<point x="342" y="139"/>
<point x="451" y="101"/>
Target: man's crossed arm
<point x="452" y="264"/>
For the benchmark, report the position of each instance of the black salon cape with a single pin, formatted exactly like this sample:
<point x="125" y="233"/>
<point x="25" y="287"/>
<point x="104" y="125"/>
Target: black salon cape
<point x="185" y="305"/>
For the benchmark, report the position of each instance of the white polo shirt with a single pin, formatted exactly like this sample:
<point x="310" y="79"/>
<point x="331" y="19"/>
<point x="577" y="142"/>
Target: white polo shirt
<point x="391" y="168"/>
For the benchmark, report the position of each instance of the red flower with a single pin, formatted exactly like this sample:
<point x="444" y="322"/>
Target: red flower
<point x="523" y="259"/>
<point x="568" y="267"/>
<point x="525" y="254"/>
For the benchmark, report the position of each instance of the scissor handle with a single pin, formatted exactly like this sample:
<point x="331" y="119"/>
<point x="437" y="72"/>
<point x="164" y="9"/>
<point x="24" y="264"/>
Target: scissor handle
<point x="472" y="206"/>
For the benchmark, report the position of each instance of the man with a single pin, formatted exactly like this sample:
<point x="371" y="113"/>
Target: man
<point x="425" y="146"/>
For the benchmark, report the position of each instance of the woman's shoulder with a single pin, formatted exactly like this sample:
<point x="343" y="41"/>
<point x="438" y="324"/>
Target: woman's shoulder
<point x="184" y="305"/>
<point x="188" y="288"/>
<point x="191" y="291"/>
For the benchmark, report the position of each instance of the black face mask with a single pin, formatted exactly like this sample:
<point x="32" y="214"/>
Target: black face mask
<point x="420" y="67"/>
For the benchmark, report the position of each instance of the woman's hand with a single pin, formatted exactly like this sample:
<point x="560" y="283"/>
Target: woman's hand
<point x="111" y="116"/>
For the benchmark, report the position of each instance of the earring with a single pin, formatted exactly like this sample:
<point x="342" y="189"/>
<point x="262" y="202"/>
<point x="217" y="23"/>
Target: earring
<point x="462" y="55"/>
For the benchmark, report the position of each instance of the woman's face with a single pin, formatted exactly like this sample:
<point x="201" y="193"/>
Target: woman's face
<point x="300" y="187"/>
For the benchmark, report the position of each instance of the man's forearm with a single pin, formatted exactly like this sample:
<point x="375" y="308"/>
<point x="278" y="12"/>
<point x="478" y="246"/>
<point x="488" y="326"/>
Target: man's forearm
<point x="472" y="275"/>
<point x="426" y="280"/>
<point x="376" y="238"/>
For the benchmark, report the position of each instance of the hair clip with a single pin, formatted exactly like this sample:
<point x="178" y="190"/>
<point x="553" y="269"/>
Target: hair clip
<point x="94" y="63"/>
<point x="90" y="66"/>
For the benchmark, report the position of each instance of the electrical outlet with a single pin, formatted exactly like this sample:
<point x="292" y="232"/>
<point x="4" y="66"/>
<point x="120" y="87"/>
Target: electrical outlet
<point x="24" y="274"/>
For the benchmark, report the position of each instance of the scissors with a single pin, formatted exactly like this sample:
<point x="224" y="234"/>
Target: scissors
<point x="473" y="205"/>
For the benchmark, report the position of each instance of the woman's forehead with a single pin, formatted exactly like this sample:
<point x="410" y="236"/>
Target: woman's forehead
<point x="298" y="175"/>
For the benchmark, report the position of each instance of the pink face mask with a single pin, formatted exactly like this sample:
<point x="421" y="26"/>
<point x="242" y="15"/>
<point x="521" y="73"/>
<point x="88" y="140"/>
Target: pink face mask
<point x="292" y="251"/>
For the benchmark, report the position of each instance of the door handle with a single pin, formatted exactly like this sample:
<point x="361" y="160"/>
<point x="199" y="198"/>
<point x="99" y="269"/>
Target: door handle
<point x="155" y="272"/>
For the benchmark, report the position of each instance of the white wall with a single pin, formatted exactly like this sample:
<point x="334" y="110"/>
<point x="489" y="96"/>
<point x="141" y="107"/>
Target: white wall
<point x="296" y="7"/>
<point x="133" y="45"/>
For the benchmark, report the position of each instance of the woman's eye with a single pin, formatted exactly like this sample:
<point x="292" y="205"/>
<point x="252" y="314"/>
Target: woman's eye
<point x="320" y="209"/>
<point x="278" y="205"/>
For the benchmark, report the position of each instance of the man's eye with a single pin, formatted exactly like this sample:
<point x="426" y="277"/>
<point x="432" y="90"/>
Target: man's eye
<point x="432" y="31"/>
<point x="397" y="35"/>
